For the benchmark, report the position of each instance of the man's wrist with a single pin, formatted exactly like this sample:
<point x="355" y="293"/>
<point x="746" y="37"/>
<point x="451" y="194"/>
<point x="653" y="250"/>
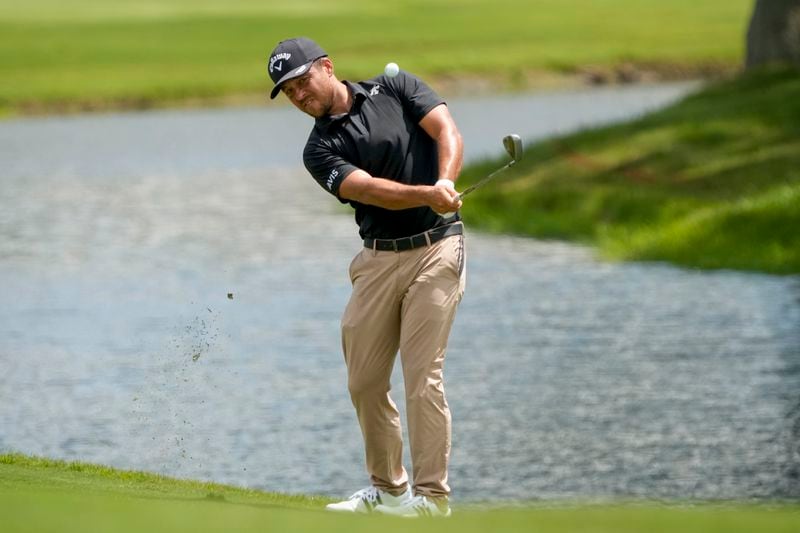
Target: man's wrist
<point x="444" y="182"/>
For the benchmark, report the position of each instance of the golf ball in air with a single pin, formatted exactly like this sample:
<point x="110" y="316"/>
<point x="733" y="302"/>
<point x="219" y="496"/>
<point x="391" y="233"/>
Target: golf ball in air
<point x="391" y="69"/>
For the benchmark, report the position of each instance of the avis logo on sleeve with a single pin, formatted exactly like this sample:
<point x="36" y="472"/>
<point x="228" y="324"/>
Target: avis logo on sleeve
<point x="331" y="178"/>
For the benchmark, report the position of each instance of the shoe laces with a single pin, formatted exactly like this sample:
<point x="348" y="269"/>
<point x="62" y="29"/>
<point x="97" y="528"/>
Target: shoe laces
<point x="367" y="495"/>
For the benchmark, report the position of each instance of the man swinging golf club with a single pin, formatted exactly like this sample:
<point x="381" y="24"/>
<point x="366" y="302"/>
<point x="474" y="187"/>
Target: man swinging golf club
<point x="389" y="147"/>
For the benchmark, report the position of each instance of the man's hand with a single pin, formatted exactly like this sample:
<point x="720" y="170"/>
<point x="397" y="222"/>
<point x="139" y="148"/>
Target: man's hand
<point x="445" y="199"/>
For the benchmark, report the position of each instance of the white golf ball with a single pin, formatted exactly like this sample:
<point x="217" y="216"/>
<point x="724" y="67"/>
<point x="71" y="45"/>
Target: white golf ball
<point x="391" y="69"/>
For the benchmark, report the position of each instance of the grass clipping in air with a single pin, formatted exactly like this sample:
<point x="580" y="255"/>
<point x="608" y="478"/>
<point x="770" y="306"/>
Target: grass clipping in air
<point x="711" y="182"/>
<point x="47" y="495"/>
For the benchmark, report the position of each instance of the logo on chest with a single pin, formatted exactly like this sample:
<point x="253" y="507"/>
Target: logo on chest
<point x="374" y="90"/>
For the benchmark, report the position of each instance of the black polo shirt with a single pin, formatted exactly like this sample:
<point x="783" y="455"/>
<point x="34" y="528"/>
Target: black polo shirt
<point x="382" y="136"/>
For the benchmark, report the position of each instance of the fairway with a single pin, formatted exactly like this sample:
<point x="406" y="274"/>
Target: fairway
<point x="90" y="54"/>
<point x="43" y="495"/>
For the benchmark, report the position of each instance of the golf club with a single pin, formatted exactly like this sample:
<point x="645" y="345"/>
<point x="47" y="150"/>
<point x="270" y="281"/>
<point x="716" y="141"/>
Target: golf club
<point x="513" y="145"/>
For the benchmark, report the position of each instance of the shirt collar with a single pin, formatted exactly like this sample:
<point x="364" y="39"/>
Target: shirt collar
<point x="359" y="95"/>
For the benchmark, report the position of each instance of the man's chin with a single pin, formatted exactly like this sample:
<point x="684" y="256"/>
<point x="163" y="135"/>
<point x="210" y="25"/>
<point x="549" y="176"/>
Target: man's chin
<point x="315" y="110"/>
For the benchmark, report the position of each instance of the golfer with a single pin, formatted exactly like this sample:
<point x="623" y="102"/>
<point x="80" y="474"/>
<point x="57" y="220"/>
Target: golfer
<point x="389" y="147"/>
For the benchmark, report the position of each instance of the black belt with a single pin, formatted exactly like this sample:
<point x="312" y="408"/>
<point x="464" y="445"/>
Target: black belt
<point x="425" y="238"/>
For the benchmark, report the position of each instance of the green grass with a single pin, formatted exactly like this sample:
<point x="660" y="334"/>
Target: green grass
<point x="44" y="495"/>
<point x="711" y="182"/>
<point x="136" y="53"/>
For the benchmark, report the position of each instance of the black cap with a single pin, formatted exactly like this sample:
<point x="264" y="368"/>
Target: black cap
<point x="290" y="59"/>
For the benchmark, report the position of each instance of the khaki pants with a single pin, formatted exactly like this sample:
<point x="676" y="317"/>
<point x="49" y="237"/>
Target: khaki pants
<point x="403" y="301"/>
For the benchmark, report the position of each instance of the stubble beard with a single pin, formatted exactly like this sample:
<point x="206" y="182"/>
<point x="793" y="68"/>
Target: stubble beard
<point x="324" y="109"/>
<point x="325" y="105"/>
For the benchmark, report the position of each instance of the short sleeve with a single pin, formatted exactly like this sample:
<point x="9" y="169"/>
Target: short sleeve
<point x="417" y="97"/>
<point x="326" y="167"/>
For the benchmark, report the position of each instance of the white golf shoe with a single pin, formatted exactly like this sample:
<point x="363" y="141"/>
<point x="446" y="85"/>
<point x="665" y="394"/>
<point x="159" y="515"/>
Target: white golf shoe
<point x="365" y="500"/>
<point x="416" y="506"/>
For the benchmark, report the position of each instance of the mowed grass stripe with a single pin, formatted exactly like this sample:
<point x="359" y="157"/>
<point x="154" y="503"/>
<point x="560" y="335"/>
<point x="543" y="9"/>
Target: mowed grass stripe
<point x="87" y="51"/>
<point x="45" y="495"/>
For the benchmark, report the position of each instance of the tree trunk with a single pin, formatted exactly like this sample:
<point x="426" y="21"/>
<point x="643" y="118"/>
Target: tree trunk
<point x="774" y="33"/>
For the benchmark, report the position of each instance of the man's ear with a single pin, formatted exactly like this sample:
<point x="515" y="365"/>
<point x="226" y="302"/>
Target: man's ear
<point x="327" y="65"/>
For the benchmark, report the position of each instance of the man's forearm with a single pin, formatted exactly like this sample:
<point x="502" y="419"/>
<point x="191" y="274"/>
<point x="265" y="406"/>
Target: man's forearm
<point x="388" y="194"/>
<point x="442" y="129"/>
<point x="392" y="195"/>
<point x="451" y="154"/>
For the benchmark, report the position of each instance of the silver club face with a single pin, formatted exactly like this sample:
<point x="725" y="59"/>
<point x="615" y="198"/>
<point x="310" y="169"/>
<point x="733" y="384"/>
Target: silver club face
<point x="513" y="145"/>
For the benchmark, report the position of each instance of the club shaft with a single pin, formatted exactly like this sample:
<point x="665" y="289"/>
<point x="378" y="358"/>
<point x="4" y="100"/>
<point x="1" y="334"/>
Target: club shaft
<point x="483" y="181"/>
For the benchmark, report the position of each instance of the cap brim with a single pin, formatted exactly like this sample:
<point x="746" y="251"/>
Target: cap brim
<point x="299" y="71"/>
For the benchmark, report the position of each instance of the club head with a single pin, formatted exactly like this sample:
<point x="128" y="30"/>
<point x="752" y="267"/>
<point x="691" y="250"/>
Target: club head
<point x="513" y="145"/>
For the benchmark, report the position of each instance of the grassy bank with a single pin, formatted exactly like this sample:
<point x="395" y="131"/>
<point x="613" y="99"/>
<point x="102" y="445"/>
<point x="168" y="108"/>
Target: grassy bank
<point x="86" y="54"/>
<point x="44" y="495"/>
<point x="711" y="182"/>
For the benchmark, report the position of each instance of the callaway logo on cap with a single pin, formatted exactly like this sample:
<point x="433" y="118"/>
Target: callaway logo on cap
<point x="290" y="59"/>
